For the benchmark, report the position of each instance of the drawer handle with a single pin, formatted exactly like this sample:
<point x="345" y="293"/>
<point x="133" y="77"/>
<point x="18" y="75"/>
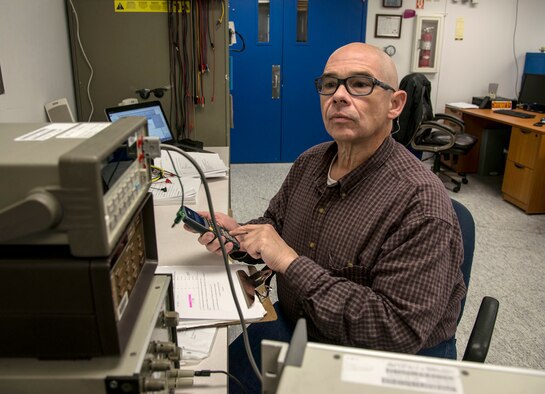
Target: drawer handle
<point x="524" y="131"/>
<point x="519" y="165"/>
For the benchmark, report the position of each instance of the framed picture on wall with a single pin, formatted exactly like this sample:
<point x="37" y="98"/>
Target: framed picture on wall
<point x="392" y="3"/>
<point x="388" y="26"/>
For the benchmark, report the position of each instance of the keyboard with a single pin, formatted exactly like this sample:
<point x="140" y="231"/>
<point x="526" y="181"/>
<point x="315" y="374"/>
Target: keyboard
<point x="510" y="112"/>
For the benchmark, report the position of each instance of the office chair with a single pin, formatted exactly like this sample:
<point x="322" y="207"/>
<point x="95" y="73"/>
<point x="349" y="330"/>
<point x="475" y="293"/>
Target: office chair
<point x="420" y="130"/>
<point x="444" y="135"/>
<point x="417" y="109"/>
<point x="481" y="334"/>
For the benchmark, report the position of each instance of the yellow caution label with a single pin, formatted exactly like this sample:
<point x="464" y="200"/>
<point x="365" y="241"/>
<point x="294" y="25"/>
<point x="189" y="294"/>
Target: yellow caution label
<point x="151" y="6"/>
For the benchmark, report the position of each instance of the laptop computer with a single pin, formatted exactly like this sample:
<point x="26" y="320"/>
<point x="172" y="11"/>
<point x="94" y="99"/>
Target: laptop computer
<point x="157" y="123"/>
<point x="153" y="111"/>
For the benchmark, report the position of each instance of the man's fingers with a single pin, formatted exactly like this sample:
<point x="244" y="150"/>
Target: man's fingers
<point x="238" y="231"/>
<point x="207" y="238"/>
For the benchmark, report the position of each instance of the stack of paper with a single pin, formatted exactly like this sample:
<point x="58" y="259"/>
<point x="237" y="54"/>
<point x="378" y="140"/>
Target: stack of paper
<point x="210" y="163"/>
<point x="167" y="191"/>
<point x="463" y="105"/>
<point x="202" y="296"/>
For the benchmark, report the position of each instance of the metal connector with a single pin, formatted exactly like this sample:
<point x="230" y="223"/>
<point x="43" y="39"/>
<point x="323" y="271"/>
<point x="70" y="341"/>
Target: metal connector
<point x="152" y="147"/>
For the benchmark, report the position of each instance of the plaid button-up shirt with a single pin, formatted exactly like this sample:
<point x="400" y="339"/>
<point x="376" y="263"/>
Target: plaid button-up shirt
<point x="379" y="252"/>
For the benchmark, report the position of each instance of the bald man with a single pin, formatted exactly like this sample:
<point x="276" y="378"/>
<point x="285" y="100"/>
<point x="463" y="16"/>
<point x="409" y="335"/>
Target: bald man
<point x="363" y="238"/>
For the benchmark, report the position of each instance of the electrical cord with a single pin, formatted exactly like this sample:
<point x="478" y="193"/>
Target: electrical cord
<point x="86" y="60"/>
<point x="514" y="49"/>
<point x="190" y="35"/>
<point x="177" y="176"/>
<point x="224" y="254"/>
<point x="189" y="373"/>
<point x="180" y="73"/>
<point x="220" y="19"/>
<point x="207" y="372"/>
<point x="243" y="43"/>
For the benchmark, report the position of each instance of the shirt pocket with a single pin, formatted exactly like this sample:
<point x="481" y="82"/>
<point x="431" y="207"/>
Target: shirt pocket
<point x="348" y="267"/>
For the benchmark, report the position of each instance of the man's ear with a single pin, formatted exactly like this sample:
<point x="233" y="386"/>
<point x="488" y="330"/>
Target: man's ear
<point x="397" y="102"/>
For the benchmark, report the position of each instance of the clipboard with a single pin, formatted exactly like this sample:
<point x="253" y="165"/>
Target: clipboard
<point x="257" y="283"/>
<point x="197" y="322"/>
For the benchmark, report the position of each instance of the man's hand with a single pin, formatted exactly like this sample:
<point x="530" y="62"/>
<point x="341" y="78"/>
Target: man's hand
<point x="261" y="241"/>
<point x="209" y="238"/>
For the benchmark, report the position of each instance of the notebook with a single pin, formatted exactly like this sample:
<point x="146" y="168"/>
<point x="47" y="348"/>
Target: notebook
<point x="153" y="111"/>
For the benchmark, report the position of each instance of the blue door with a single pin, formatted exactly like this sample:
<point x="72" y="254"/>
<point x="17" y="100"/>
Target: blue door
<point x="282" y="45"/>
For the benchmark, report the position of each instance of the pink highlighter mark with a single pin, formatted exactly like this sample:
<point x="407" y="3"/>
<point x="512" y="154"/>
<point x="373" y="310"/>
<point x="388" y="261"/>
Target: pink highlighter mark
<point x="190" y="300"/>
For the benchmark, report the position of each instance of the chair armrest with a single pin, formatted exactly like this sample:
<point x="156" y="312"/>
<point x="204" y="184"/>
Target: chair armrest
<point x="426" y="129"/>
<point x="481" y="334"/>
<point x="453" y="119"/>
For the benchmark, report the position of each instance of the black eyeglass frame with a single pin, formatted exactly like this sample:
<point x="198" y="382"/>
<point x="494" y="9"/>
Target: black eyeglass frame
<point x="342" y="81"/>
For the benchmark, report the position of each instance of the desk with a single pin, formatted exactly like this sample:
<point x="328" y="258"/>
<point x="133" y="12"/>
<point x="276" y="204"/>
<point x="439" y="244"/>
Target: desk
<point x="524" y="178"/>
<point x="179" y="247"/>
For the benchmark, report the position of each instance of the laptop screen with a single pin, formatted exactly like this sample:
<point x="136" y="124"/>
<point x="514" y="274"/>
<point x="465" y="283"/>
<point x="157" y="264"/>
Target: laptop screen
<point x="152" y="110"/>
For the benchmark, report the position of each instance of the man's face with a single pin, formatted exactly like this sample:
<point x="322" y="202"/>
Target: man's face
<point x="353" y="119"/>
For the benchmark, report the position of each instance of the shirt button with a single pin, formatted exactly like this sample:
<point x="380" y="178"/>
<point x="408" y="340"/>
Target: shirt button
<point x="343" y="195"/>
<point x="312" y="245"/>
<point x="350" y="264"/>
<point x="321" y="210"/>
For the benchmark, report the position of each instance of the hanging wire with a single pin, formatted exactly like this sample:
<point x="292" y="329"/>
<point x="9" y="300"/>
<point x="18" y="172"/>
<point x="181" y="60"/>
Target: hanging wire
<point x="84" y="54"/>
<point x="515" y="50"/>
<point x="191" y="35"/>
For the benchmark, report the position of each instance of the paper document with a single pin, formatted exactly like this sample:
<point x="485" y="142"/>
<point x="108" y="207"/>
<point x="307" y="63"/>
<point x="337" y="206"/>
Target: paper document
<point x="196" y="344"/>
<point x="210" y="163"/>
<point x="463" y="105"/>
<point x="169" y="192"/>
<point x="64" y="130"/>
<point x="202" y="295"/>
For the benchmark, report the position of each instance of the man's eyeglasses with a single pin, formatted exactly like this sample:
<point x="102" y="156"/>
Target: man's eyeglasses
<point x="356" y="85"/>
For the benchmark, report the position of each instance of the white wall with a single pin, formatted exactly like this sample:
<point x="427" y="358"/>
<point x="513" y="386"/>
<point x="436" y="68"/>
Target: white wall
<point x="34" y="57"/>
<point x="486" y="54"/>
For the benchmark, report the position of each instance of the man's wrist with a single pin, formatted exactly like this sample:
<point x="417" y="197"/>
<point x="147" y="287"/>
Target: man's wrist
<point x="283" y="267"/>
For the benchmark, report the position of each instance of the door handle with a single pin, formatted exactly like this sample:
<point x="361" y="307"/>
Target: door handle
<point x="275" y="88"/>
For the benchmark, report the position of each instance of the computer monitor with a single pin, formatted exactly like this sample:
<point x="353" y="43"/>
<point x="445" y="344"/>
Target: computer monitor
<point x="532" y="92"/>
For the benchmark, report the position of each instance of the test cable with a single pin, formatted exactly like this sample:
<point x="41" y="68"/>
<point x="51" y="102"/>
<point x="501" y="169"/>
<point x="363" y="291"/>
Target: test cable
<point x="177" y="176"/>
<point x="223" y="252"/>
<point x="189" y="373"/>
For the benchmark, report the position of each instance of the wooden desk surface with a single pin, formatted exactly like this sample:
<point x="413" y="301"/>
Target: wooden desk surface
<point x="525" y="123"/>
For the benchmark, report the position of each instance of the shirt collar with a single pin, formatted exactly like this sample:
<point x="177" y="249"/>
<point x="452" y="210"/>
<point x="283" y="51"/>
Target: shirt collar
<point x="359" y="174"/>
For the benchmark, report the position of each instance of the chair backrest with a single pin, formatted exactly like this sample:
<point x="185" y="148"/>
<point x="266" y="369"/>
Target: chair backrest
<point x="480" y="337"/>
<point x="417" y="109"/>
<point x="467" y="227"/>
